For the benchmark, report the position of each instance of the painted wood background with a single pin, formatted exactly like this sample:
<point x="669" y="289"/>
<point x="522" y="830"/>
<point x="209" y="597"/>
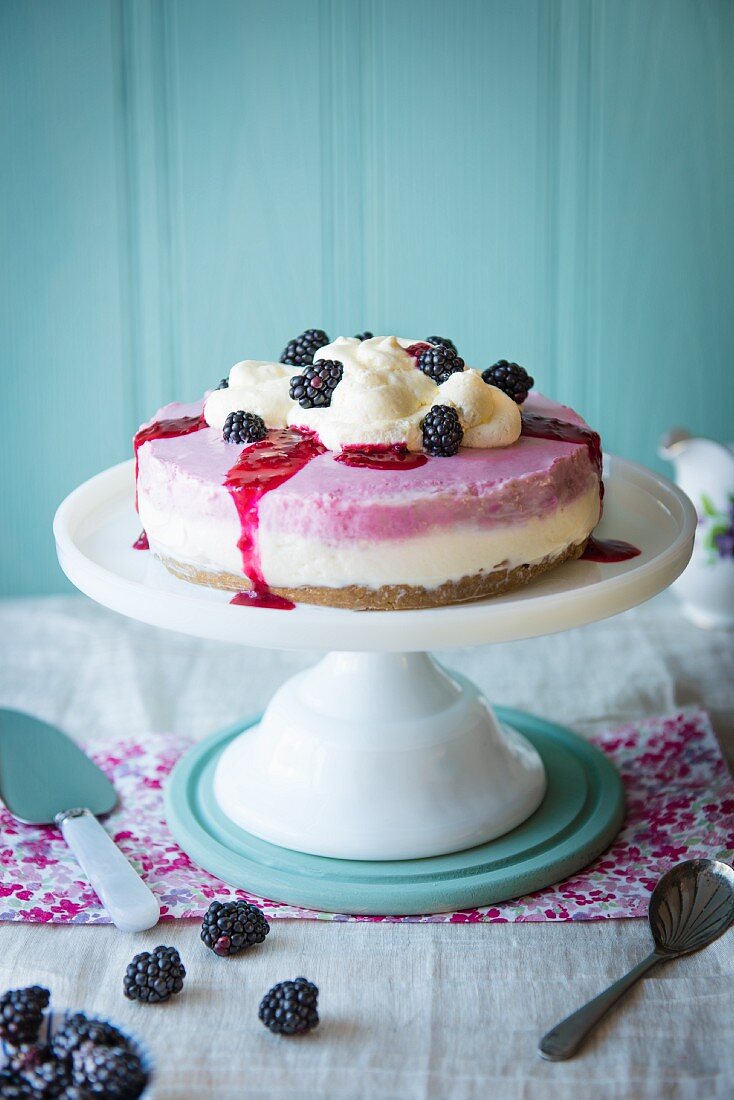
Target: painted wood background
<point x="186" y="182"/>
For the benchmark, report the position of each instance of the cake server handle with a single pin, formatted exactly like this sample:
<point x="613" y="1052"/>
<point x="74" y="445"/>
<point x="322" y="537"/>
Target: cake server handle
<point x="132" y="907"/>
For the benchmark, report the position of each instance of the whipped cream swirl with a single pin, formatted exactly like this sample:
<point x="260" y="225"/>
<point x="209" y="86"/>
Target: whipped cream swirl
<point x="255" y="386"/>
<point x="382" y="398"/>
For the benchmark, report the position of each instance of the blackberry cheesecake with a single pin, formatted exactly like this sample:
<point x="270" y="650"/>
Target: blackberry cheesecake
<point x="369" y="473"/>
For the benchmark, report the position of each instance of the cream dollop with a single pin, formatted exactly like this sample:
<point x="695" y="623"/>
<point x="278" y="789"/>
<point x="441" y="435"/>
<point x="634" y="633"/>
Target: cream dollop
<point x="488" y="416"/>
<point x="382" y="398"/>
<point x="255" y="386"/>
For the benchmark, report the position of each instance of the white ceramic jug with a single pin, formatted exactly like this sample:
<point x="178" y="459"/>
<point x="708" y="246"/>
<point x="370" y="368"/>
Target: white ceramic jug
<point x="704" y="470"/>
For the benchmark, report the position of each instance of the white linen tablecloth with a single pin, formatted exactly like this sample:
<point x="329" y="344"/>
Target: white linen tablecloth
<point x="408" y="1011"/>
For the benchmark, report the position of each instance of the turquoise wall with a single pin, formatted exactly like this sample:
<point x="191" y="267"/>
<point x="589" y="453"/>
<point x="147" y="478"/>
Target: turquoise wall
<point x="186" y="182"/>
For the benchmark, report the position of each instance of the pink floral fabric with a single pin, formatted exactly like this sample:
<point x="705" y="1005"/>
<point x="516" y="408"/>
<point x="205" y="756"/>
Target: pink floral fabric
<point x="680" y="799"/>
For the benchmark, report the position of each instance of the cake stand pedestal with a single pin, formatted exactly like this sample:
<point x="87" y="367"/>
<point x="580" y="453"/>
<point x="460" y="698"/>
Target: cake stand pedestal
<point x="377" y="781"/>
<point x="379" y="756"/>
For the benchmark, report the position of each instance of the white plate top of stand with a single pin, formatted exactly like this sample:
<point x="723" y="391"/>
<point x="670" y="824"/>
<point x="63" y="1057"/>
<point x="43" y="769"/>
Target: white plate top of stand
<point x="96" y="526"/>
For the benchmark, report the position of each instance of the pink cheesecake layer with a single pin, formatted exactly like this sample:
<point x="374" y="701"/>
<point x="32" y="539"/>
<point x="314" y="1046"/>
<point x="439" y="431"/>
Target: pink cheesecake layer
<point x="479" y="488"/>
<point x="203" y="454"/>
<point x="192" y="466"/>
<point x="333" y="501"/>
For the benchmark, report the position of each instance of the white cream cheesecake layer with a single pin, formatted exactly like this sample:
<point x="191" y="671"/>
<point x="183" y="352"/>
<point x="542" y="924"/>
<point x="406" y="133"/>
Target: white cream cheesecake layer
<point x="289" y="561"/>
<point x="203" y="532"/>
<point x="188" y="519"/>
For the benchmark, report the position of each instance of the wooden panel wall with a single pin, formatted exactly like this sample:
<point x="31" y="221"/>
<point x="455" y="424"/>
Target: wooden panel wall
<point x="186" y="182"/>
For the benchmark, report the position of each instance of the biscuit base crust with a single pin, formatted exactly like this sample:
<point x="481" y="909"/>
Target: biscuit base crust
<point x="391" y="597"/>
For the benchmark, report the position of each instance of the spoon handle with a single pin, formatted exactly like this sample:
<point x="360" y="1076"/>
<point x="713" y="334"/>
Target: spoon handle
<point x="564" y="1039"/>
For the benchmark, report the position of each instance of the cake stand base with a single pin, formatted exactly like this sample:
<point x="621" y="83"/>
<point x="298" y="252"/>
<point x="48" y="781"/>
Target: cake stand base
<point x="579" y="816"/>
<point x="378" y="756"/>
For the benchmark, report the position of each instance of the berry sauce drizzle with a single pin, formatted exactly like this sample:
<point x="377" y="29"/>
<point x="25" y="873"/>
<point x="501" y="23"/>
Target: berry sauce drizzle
<point x="168" y="429"/>
<point x="141" y="542"/>
<point x="164" y="429"/>
<point x="263" y="466"/>
<point x="609" y="550"/>
<point x="548" y="427"/>
<point x="263" y="599"/>
<point x="381" y="456"/>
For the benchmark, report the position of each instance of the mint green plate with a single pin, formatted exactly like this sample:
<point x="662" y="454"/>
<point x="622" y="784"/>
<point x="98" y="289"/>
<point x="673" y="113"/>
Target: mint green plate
<point x="579" y="817"/>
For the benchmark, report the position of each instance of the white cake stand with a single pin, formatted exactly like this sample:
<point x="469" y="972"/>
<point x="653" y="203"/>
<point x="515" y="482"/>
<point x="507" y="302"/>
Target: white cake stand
<point x="377" y="753"/>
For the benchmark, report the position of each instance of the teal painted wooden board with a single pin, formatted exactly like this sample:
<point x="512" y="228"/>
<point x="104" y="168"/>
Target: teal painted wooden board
<point x="185" y="183"/>
<point x="580" y="815"/>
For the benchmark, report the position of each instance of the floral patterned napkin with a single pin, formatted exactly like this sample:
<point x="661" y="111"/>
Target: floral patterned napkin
<point x="680" y="804"/>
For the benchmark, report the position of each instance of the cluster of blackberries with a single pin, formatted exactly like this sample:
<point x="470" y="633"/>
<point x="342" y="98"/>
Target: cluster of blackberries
<point x="436" y="356"/>
<point x="83" y="1060"/>
<point x="228" y="927"/>
<point x="289" y="1008"/>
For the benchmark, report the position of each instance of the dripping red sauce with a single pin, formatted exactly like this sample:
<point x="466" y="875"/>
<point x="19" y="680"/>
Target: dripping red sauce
<point x="264" y="598"/>
<point x="382" y="456"/>
<point x="165" y="429"/>
<point x="141" y="542"/>
<point x="609" y="550"/>
<point x="261" y="467"/>
<point x="548" y="427"/>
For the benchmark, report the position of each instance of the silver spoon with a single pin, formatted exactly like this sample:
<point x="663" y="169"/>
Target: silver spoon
<point x="691" y="906"/>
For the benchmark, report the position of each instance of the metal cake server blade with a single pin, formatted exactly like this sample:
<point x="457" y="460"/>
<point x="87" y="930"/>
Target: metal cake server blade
<point x="46" y="779"/>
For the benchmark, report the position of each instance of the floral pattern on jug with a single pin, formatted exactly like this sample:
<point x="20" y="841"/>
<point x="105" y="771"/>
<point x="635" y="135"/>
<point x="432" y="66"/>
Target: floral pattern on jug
<point x="704" y="469"/>
<point x="718" y="536"/>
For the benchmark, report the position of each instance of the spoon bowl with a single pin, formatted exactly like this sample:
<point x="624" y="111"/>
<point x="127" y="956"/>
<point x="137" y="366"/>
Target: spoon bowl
<point x="691" y="906"/>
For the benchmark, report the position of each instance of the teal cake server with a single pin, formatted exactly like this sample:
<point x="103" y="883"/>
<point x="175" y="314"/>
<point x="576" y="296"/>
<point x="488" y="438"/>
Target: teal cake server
<point x="46" y="779"/>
